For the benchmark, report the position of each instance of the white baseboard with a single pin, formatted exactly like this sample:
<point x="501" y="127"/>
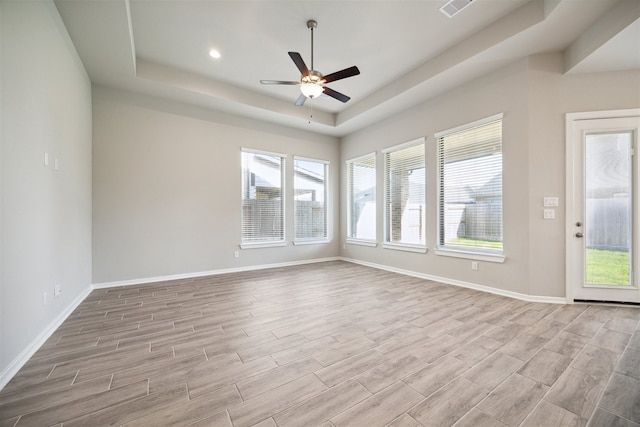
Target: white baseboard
<point x="12" y="369"/>
<point x="208" y="273"/>
<point x="468" y="285"/>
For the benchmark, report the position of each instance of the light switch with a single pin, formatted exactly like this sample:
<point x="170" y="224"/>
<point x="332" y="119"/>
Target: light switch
<point x="46" y="158"/>
<point x="549" y="214"/>
<point x="551" y="202"/>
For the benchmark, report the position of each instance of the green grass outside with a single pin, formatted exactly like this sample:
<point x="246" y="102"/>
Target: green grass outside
<point x="607" y="267"/>
<point x="603" y="267"/>
<point x="475" y="243"/>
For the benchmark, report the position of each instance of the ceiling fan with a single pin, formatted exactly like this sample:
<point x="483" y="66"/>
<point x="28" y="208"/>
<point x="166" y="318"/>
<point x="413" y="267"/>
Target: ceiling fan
<point x="312" y="83"/>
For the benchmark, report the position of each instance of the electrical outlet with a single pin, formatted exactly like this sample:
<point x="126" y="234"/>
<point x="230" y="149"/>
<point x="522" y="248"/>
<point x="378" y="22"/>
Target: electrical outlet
<point x="474" y="265"/>
<point x="236" y="254"/>
<point x="57" y="290"/>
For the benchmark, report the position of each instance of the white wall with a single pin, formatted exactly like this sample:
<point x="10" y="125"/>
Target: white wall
<point x="46" y="214"/>
<point x="534" y="96"/>
<point x="167" y="188"/>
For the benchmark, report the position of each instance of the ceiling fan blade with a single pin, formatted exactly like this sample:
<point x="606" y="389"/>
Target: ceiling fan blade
<point x="278" y="82"/>
<point x="342" y="74"/>
<point x="300" y="100"/>
<point x="335" y="94"/>
<point x="297" y="59"/>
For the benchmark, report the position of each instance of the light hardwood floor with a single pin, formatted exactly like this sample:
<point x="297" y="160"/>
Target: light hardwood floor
<point x="330" y="344"/>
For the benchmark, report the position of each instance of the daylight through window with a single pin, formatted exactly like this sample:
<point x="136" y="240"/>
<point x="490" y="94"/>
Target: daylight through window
<point x="404" y="169"/>
<point x="470" y="187"/>
<point x="362" y="198"/>
<point x="262" y="198"/>
<point x="310" y="195"/>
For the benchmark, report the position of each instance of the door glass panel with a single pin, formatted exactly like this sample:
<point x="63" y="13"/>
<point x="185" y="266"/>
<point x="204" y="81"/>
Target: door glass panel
<point x="608" y="209"/>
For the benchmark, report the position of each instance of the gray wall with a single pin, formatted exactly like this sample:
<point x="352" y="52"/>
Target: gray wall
<point x="534" y="96"/>
<point x="46" y="214"/>
<point x="167" y="188"/>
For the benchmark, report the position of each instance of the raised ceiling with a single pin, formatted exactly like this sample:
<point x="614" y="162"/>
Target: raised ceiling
<point x="407" y="51"/>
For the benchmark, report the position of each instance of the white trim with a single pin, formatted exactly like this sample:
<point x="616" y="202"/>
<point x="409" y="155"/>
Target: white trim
<point x="571" y="121"/>
<point x="364" y="156"/>
<point x="300" y="242"/>
<point x="16" y="364"/>
<point x="309" y="159"/>
<point x="361" y="242"/>
<point x="257" y="245"/>
<point x="469" y="125"/>
<point x="594" y="115"/>
<point x="265" y="153"/>
<point x="404" y="145"/>
<point x="498" y="258"/>
<point x="146" y="280"/>
<point x="405" y="247"/>
<point x="482" y="288"/>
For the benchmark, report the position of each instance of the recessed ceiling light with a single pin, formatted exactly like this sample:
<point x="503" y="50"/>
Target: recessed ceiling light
<point x="214" y="54"/>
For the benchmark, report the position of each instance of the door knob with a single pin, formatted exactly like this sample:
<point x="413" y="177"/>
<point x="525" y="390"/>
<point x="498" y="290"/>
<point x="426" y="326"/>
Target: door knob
<point x="579" y="234"/>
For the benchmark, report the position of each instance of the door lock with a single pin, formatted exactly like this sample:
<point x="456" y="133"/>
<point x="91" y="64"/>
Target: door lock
<point x="578" y="224"/>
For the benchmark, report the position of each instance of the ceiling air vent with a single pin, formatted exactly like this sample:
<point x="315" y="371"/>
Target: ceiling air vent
<point x="454" y="6"/>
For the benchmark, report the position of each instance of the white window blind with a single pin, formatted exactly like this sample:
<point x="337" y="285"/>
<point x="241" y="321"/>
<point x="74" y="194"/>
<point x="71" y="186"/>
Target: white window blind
<point x="470" y="187"/>
<point x="310" y="196"/>
<point x="404" y="194"/>
<point x="262" y="197"/>
<point x="362" y="198"/>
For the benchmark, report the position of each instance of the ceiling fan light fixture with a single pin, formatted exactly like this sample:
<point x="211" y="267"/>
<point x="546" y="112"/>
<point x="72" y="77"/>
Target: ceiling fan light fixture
<point x="311" y="90"/>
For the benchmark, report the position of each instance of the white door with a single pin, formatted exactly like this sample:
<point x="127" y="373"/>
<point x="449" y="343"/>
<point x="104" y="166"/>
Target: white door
<point x="602" y="208"/>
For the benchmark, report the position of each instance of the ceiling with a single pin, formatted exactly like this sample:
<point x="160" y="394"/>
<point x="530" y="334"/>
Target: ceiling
<point x="407" y="51"/>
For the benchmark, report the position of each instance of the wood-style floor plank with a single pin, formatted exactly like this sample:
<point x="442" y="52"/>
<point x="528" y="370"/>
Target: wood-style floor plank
<point x="327" y="345"/>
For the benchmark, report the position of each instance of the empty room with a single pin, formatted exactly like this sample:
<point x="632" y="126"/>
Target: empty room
<point x="319" y="213"/>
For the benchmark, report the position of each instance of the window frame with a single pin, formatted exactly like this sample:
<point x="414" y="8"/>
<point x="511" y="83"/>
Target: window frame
<point x="327" y="210"/>
<point x="387" y="243"/>
<point x="349" y="165"/>
<point x="481" y="254"/>
<point x="264" y="243"/>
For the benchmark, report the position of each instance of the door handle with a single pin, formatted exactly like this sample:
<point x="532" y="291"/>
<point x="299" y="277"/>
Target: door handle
<point x="579" y="234"/>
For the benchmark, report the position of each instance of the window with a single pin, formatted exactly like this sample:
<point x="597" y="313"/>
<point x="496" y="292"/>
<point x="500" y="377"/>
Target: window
<point x="310" y="195"/>
<point x="404" y="196"/>
<point x="262" y="199"/>
<point x="361" y="193"/>
<point x="470" y="188"/>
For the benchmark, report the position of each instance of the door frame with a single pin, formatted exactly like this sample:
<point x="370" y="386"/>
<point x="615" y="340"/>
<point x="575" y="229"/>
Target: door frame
<point x="571" y="120"/>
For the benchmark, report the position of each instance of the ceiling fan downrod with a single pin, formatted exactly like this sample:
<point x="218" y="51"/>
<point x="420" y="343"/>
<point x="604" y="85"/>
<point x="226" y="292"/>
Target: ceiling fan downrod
<point x="311" y="24"/>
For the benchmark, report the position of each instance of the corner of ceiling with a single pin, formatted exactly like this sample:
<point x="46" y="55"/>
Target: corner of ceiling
<point x="623" y="14"/>
<point x="131" y="40"/>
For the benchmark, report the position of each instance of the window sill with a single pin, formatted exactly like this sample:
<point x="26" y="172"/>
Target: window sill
<point x="262" y="245"/>
<point x="311" y="242"/>
<point x="405" y="247"/>
<point x="359" y="242"/>
<point x="497" y="258"/>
